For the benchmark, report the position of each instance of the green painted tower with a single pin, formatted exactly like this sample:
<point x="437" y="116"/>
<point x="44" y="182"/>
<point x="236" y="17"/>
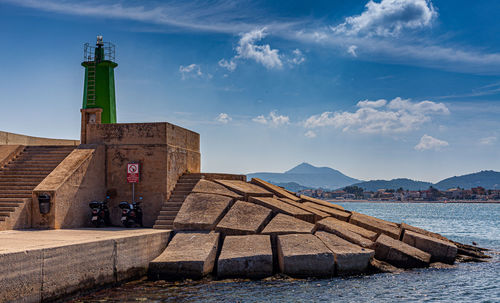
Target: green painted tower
<point x="99" y="87"/>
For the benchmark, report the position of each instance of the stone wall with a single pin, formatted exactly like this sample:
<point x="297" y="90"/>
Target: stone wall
<point x="9" y="152"/>
<point x="16" y="139"/>
<point x="164" y="152"/>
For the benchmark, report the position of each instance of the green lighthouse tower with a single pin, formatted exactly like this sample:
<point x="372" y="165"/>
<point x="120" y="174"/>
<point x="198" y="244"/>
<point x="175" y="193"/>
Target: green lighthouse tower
<point x="99" y="87"/>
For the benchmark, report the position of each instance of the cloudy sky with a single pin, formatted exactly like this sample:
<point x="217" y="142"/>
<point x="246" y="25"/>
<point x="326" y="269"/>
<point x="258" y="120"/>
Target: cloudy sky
<point x="377" y="89"/>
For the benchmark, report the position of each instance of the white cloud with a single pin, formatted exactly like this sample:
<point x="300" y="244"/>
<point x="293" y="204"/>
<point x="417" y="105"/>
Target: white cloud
<point x="427" y="142"/>
<point x="352" y="50"/>
<point x="273" y="119"/>
<point x="297" y="57"/>
<point x="487" y="140"/>
<point x="388" y="18"/>
<point x="229" y="65"/>
<point x="310" y="134"/>
<point x="398" y="115"/>
<point x="190" y="71"/>
<point x="263" y="54"/>
<point x="223" y="118"/>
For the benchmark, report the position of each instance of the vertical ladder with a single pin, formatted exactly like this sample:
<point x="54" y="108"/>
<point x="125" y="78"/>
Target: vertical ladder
<point x="91" y="75"/>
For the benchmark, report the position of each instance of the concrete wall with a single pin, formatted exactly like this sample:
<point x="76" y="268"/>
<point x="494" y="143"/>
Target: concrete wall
<point x="16" y="139"/>
<point x="9" y="152"/>
<point x="164" y="152"/>
<point x="77" y="180"/>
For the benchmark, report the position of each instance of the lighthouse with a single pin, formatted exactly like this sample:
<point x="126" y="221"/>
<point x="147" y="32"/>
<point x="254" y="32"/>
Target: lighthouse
<point x="99" y="86"/>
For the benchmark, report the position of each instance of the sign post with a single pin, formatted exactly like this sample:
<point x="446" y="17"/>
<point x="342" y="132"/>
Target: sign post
<point x="133" y="176"/>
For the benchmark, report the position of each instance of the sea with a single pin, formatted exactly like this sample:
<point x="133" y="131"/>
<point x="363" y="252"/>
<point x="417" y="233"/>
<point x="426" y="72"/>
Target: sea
<point x="467" y="282"/>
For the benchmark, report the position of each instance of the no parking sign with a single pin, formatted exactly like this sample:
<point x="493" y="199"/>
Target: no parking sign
<point x="133" y="173"/>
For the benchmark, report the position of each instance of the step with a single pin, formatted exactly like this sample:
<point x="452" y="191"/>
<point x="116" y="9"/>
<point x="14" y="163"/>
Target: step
<point x="181" y="192"/>
<point x="15" y="187"/>
<point x="172" y="204"/>
<point x="28" y="168"/>
<point x="7" y="209"/>
<point x="160" y="226"/>
<point x="168" y="213"/>
<point x="27" y="164"/>
<point x="10" y="204"/>
<point x="165" y="218"/>
<point x="4" y="214"/>
<point x="169" y="209"/>
<point x="15" y="191"/>
<point x="22" y="196"/>
<point x="183" y="187"/>
<point x="34" y="174"/>
<point x="178" y="196"/>
<point x="20" y="180"/>
<point x="164" y="222"/>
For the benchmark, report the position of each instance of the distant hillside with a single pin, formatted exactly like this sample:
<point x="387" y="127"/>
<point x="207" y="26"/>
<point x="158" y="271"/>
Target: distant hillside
<point x="395" y="184"/>
<point x="292" y="186"/>
<point x="487" y="178"/>
<point x="309" y="176"/>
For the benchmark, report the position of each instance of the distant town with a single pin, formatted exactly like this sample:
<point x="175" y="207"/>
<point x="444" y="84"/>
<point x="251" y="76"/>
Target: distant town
<point x="355" y="193"/>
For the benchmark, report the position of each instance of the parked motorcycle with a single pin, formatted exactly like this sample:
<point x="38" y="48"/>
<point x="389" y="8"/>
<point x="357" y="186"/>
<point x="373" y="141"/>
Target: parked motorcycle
<point x="131" y="213"/>
<point x="100" y="213"/>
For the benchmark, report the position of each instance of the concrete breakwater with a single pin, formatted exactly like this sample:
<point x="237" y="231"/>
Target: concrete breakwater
<point x="230" y="228"/>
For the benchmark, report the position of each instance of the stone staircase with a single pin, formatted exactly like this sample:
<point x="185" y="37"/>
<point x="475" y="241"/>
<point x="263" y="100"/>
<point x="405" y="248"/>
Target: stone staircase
<point x="22" y="174"/>
<point x="171" y="207"/>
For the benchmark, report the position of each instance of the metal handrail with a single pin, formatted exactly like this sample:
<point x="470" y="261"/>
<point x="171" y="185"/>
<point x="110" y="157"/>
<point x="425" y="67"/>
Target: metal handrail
<point x="89" y="52"/>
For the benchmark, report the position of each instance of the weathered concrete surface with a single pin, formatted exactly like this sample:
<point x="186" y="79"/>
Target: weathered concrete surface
<point x="279" y="206"/>
<point x="400" y="254"/>
<point x="48" y="264"/>
<point x="245" y="257"/>
<point x="17" y="139"/>
<point x="244" y="218"/>
<point x="245" y="189"/>
<point x="318" y="214"/>
<point x="320" y="202"/>
<point x="349" y="258"/>
<point x="201" y="211"/>
<point x="9" y="152"/>
<point x="382" y="266"/>
<point x="441" y="251"/>
<point x="304" y="255"/>
<point x="332" y="223"/>
<point x="338" y="214"/>
<point x="189" y="255"/>
<point x="404" y="227"/>
<point x="209" y="187"/>
<point x="283" y="224"/>
<point x="344" y="231"/>
<point x="278" y="191"/>
<point x="376" y="225"/>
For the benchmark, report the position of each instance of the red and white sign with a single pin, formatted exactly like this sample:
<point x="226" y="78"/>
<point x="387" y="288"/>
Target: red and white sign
<point x="133" y="173"/>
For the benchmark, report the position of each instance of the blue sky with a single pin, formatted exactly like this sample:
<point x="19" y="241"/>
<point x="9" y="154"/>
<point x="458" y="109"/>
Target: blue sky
<point x="376" y="89"/>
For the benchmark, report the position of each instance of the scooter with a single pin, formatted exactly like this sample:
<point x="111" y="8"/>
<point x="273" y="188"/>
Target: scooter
<point x="100" y="213"/>
<point x="131" y="213"/>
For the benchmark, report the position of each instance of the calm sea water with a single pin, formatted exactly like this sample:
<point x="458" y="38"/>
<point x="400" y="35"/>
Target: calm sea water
<point x="468" y="282"/>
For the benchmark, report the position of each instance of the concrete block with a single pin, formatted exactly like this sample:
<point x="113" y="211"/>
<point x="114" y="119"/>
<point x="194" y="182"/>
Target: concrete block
<point x="278" y="191"/>
<point x="400" y="254"/>
<point x="189" y="255"/>
<point x="209" y="187"/>
<point x="279" y="206"/>
<point x="336" y="213"/>
<point x="247" y="256"/>
<point x="21" y="276"/>
<point x="304" y="255"/>
<point x="283" y="224"/>
<point x="245" y="189"/>
<point x="376" y="225"/>
<point x="349" y="258"/>
<point x="345" y="232"/>
<point x="305" y="198"/>
<point x="244" y="218"/>
<point x="318" y="214"/>
<point x="332" y="223"/>
<point x="441" y="251"/>
<point x="201" y="211"/>
<point x="404" y="227"/>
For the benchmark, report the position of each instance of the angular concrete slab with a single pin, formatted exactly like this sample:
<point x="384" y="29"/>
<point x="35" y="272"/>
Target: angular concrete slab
<point x="188" y="255"/>
<point x="304" y="255"/>
<point x="332" y="223"/>
<point x="318" y="214"/>
<point x="201" y="211"/>
<point x="349" y="258"/>
<point x="208" y="187"/>
<point x="441" y="251"/>
<point x="245" y="189"/>
<point x="248" y="256"/>
<point x="283" y="224"/>
<point x="278" y="191"/>
<point x="422" y="231"/>
<point x="279" y="206"/>
<point x="244" y="218"/>
<point x="344" y="231"/>
<point x="338" y="214"/>
<point x="400" y="254"/>
<point x="305" y="198"/>
<point x="376" y="225"/>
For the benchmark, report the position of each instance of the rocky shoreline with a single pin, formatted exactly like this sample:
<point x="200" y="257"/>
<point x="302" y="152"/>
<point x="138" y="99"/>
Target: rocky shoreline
<point x="235" y="229"/>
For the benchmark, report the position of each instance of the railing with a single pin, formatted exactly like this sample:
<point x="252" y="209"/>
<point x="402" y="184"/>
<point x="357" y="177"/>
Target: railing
<point x="108" y="52"/>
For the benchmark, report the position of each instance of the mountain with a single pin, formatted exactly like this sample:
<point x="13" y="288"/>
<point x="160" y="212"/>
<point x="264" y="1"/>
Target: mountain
<point x="292" y="186"/>
<point x="309" y="176"/>
<point x="395" y="184"/>
<point x="488" y="179"/>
